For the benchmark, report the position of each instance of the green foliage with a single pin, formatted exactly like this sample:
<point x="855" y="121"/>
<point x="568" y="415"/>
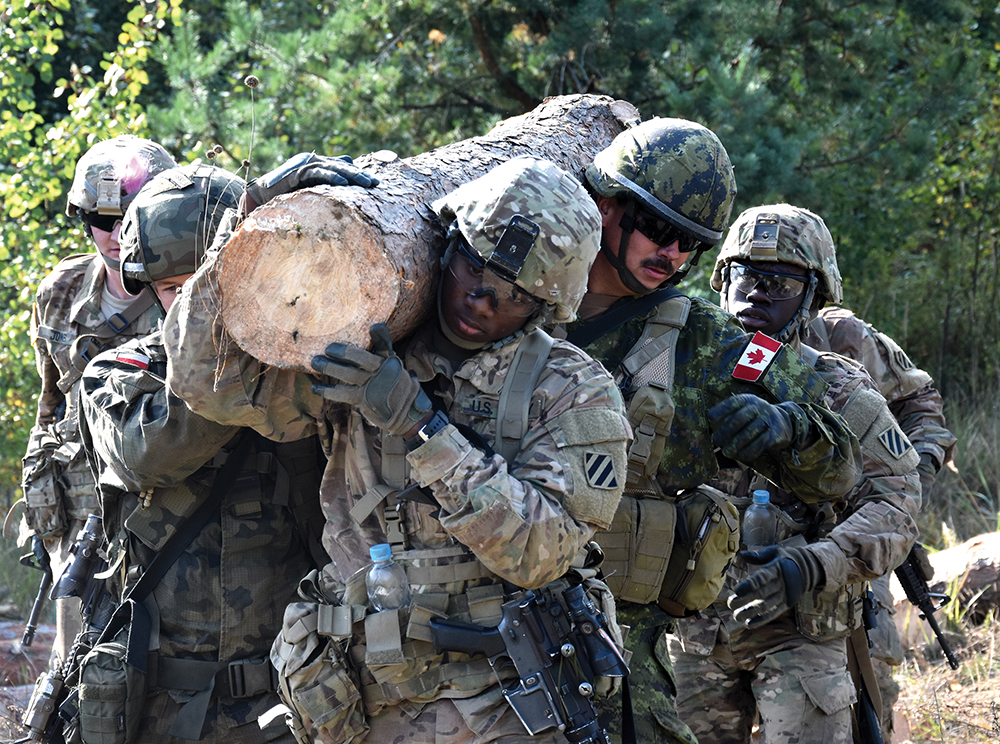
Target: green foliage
<point x="881" y="115"/>
<point x="37" y="157"/>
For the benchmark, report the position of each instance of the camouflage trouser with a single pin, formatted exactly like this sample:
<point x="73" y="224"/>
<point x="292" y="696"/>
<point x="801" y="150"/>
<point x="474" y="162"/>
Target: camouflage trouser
<point x="441" y="722"/>
<point x="801" y="693"/>
<point x="651" y="681"/>
<point x="887" y="650"/>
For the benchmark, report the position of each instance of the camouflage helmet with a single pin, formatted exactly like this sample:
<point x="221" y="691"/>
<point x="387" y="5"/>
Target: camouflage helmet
<point x="781" y="232"/>
<point x="676" y="168"/>
<point x="171" y="222"/>
<point x="556" y="266"/>
<point x="110" y="173"/>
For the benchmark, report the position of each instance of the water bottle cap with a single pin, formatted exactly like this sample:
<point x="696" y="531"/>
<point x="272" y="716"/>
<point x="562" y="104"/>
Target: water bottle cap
<point x="761" y="496"/>
<point x="380" y="552"/>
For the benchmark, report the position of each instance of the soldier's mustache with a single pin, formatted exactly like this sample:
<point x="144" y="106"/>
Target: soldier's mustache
<point x="658" y="264"/>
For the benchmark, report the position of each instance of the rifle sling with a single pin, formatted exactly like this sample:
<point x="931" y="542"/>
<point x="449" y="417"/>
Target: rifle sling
<point x="859" y="664"/>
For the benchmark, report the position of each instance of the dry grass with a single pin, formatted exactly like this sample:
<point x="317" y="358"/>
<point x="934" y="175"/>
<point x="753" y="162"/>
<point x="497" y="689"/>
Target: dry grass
<point x="955" y="706"/>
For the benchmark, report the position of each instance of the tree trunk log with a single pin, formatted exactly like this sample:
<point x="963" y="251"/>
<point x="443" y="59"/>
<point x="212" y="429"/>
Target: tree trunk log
<point x="324" y="264"/>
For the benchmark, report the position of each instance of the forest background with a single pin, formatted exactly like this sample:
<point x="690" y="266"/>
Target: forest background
<point x="883" y="116"/>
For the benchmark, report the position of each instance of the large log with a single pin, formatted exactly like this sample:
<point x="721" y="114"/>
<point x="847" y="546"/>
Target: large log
<point x="324" y="264"/>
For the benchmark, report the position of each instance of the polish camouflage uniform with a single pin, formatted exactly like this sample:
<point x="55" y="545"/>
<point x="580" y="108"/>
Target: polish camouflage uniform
<point x="219" y="605"/>
<point x="792" y="671"/>
<point x="521" y="521"/>
<point x="680" y="172"/>
<point x="68" y="328"/>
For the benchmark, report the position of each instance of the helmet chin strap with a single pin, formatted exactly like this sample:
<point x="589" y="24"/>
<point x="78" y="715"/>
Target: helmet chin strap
<point x="627" y="225"/>
<point x="113" y="264"/>
<point x="804" y="314"/>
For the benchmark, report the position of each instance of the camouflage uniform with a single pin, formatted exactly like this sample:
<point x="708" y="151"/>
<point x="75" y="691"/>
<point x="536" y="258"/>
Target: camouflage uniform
<point x="708" y="348"/>
<point x="68" y="328"/>
<point x="220" y="603"/>
<point x="917" y="406"/>
<point x="521" y="522"/>
<point x="676" y="176"/>
<point x="792" y="672"/>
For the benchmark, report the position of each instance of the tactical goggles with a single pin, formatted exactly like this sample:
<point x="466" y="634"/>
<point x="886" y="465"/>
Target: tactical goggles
<point x="662" y="232"/>
<point x="105" y="222"/>
<point x="478" y="280"/>
<point x="778" y="286"/>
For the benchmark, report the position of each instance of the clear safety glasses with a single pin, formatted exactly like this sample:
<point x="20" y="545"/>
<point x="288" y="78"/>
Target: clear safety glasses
<point x="477" y="280"/>
<point x="778" y="286"/>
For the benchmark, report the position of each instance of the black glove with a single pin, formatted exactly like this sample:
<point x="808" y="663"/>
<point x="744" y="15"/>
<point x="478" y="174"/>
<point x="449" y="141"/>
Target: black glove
<point x="746" y="426"/>
<point x="377" y="384"/>
<point x="927" y="470"/>
<point x="303" y="171"/>
<point x="785" y="573"/>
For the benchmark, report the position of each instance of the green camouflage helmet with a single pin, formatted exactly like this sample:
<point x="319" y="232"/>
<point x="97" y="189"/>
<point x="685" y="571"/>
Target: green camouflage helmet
<point x="558" y="260"/>
<point x="171" y="222"/>
<point x="676" y="168"/>
<point x="110" y="174"/>
<point x="781" y="232"/>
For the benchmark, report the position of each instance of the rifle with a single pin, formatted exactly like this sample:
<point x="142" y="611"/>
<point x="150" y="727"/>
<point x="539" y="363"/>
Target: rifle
<point x="866" y="716"/>
<point x="53" y="702"/>
<point x="37" y="558"/>
<point x="913" y="575"/>
<point x="556" y="647"/>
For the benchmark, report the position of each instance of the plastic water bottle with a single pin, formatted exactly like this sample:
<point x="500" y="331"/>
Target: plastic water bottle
<point x="388" y="588"/>
<point x="760" y="522"/>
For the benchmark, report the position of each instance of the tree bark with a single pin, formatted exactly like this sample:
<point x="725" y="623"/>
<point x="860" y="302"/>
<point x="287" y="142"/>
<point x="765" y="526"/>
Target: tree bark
<point x="324" y="264"/>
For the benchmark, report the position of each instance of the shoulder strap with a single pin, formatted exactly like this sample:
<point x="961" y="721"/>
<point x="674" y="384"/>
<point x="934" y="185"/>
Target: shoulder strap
<point x="618" y="316"/>
<point x="515" y="396"/>
<point x="818" y="328"/>
<point x="662" y="331"/>
<point x="809" y="355"/>
<point x="194" y="524"/>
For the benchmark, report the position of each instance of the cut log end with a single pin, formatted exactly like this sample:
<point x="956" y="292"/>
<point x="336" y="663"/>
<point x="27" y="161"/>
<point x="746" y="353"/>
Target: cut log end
<point x="289" y="291"/>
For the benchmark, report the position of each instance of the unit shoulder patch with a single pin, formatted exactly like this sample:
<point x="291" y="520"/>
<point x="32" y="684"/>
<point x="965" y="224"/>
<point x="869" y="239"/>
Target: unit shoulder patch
<point x="600" y="468"/>
<point x="895" y="441"/>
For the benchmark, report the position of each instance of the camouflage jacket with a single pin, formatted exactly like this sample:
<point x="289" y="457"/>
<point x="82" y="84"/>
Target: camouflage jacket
<point x="708" y="348"/>
<point x="910" y="391"/>
<point x="864" y="536"/>
<point x="68" y="307"/>
<point x="522" y="521"/>
<point x="222" y="600"/>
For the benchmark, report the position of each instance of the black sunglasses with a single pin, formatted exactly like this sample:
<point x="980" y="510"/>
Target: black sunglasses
<point x="105" y="222"/>
<point x="662" y="232"/>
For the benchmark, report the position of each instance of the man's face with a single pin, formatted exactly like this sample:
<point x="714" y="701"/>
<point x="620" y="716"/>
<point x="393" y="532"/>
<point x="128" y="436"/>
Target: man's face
<point x="478" y="309"/>
<point x="766" y="295"/>
<point x="650" y="263"/>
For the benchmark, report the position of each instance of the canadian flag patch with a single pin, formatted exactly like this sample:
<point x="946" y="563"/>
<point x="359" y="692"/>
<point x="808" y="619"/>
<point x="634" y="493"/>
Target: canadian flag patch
<point x="758" y="354"/>
<point x="136" y="360"/>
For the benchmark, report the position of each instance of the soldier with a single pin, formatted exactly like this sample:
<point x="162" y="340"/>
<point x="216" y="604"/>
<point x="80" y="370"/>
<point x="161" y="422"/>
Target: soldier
<point x="775" y="645"/>
<point x="508" y="505"/>
<point x="216" y="607"/>
<point x="917" y="406"/>
<point x="80" y="309"/>
<point x="665" y="190"/>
